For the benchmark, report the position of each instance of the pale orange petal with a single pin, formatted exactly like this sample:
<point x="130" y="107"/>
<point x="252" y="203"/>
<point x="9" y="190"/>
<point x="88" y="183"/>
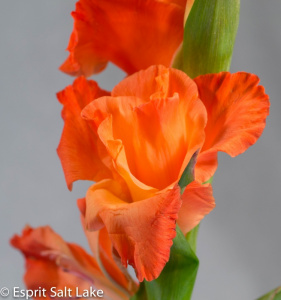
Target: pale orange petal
<point x="113" y="118"/>
<point x="141" y="232"/>
<point x="80" y="151"/>
<point x="197" y="201"/>
<point x="132" y="34"/>
<point x="155" y="116"/>
<point x="237" y="108"/>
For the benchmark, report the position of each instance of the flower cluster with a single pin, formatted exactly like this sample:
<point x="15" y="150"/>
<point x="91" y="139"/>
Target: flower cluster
<point x="135" y="143"/>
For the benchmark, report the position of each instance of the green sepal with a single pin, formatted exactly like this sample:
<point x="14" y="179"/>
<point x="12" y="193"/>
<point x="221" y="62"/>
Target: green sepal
<point x="210" y="180"/>
<point x="178" y="276"/>
<point x="272" y="295"/>
<point x="209" y="37"/>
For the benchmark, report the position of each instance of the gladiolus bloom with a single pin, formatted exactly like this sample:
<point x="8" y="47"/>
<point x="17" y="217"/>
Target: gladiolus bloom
<point x="150" y="127"/>
<point x="132" y="34"/>
<point x="53" y="263"/>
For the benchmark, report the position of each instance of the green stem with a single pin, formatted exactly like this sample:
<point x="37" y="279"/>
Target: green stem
<point x="191" y="237"/>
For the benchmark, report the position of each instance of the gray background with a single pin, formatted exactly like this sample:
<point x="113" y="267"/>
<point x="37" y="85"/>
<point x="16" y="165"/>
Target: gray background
<point x="239" y="242"/>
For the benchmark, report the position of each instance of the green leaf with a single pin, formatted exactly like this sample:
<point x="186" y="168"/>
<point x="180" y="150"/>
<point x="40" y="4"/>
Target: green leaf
<point x="209" y="37"/>
<point x="273" y="295"/>
<point x="178" y="277"/>
<point x="141" y="293"/>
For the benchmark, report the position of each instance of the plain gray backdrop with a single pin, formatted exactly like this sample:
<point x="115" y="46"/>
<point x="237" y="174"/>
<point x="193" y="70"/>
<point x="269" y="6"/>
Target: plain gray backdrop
<point x="239" y="243"/>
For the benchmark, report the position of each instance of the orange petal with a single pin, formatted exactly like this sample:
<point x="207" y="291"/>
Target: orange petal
<point x="143" y="84"/>
<point x="197" y="202"/>
<point x="141" y="232"/>
<point x="101" y="247"/>
<point x="155" y="116"/>
<point x="80" y="151"/>
<point x="206" y="165"/>
<point x="132" y="34"/>
<point x="48" y="258"/>
<point x="110" y="261"/>
<point x="51" y="262"/>
<point x="237" y="109"/>
<point x="81" y="61"/>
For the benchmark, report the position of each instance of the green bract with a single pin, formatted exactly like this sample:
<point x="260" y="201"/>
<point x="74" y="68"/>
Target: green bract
<point x="209" y="37"/>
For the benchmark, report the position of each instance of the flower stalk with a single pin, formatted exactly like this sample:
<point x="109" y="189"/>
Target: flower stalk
<point x="150" y="145"/>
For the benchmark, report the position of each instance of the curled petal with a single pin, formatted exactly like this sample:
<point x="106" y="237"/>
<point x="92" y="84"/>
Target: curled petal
<point x="237" y="108"/>
<point x="141" y="232"/>
<point x="197" y="201"/>
<point x="132" y="34"/>
<point x="80" y="151"/>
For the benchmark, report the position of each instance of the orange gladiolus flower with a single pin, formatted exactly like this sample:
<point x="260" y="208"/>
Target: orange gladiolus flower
<point x="132" y="34"/>
<point x="160" y="197"/>
<point x="55" y="266"/>
<point x="150" y="127"/>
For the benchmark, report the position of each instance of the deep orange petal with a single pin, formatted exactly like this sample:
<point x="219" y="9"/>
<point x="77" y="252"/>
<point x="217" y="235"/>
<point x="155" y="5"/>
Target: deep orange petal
<point x="141" y="232"/>
<point x="181" y="3"/>
<point x="132" y="34"/>
<point x="80" y="151"/>
<point x="237" y="108"/>
<point x="197" y="201"/>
